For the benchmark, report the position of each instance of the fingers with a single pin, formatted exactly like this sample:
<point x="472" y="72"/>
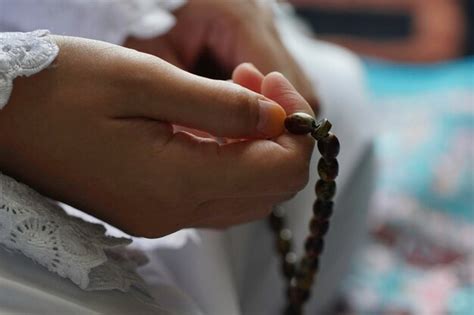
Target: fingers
<point x="269" y="166"/>
<point x="229" y="110"/>
<point x="218" y="107"/>
<point x="225" y="222"/>
<point x="224" y="213"/>
<point x="276" y="87"/>
<point x="241" y="169"/>
<point x="279" y="89"/>
<point x="303" y="84"/>
<point x="248" y="76"/>
<point x="248" y="168"/>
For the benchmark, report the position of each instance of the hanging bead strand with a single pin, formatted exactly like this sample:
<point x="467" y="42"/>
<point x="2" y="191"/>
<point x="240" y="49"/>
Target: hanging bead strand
<point x="300" y="277"/>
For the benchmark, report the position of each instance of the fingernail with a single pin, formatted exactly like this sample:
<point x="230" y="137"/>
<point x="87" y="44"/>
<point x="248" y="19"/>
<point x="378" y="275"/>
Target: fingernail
<point x="270" y="118"/>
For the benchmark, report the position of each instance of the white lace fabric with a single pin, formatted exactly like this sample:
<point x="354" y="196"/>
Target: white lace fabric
<point x="66" y="245"/>
<point x="23" y="54"/>
<point x="35" y="226"/>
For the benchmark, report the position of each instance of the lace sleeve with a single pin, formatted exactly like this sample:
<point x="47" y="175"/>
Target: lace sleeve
<point x="66" y="245"/>
<point x="35" y="226"/>
<point x="23" y="54"/>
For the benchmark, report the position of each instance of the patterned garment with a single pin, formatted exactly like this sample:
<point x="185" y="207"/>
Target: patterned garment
<point x="420" y="256"/>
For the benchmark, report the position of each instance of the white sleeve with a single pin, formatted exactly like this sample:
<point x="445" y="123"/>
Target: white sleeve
<point x="38" y="228"/>
<point x="23" y="54"/>
<point x="108" y="20"/>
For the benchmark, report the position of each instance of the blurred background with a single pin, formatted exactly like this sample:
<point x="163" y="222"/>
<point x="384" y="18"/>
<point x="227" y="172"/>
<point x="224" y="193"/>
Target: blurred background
<point x="418" y="55"/>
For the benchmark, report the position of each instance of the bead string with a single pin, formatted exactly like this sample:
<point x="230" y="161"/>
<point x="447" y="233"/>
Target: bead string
<point x="300" y="276"/>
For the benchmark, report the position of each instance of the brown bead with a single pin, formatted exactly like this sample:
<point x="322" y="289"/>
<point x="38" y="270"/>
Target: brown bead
<point x="328" y="169"/>
<point x="318" y="228"/>
<point x="309" y="265"/>
<point x="291" y="258"/>
<point x="278" y="212"/>
<point x="325" y="190"/>
<point x="321" y="130"/>
<point x="276" y="223"/>
<point x="289" y="265"/>
<point x="329" y="146"/>
<point x="283" y="246"/>
<point x="297" y="296"/>
<point x="288" y="270"/>
<point x="284" y="241"/>
<point x="285" y="234"/>
<point x="293" y="309"/>
<point x="305" y="282"/>
<point x="300" y="123"/>
<point x="314" y="246"/>
<point x="276" y="219"/>
<point x="322" y="209"/>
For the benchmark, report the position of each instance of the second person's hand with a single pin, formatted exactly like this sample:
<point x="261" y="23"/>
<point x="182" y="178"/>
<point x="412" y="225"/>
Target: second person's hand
<point x="215" y="36"/>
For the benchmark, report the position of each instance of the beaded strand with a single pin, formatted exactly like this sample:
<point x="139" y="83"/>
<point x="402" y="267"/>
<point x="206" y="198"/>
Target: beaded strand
<point x="300" y="276"/>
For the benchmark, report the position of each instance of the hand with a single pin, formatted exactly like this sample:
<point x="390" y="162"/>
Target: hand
<point x="279" y="89"/>
<point x="225" y="34"/>
<point x="94" y="131"/>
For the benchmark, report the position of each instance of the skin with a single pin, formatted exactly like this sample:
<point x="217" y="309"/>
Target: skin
<point x="228" y="33"/>
<point x="95" y="130"/>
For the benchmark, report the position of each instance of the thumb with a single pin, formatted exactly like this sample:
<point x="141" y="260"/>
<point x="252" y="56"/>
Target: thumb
<point x="228" y="110"/>
<point x="220" y="108"/>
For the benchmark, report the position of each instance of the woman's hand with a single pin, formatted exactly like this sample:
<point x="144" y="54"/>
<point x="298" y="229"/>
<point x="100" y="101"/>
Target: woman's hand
<point x="95" y="131"/>
<point x="212" y="37"/>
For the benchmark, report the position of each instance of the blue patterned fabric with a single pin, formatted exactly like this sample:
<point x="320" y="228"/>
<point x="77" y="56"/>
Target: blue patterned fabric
<point x="420" y="258"/>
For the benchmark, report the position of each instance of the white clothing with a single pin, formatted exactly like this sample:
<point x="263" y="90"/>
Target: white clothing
<point x="23" y="54"/>
<point x="236" y="271"/>
<point x="108" y="20"/>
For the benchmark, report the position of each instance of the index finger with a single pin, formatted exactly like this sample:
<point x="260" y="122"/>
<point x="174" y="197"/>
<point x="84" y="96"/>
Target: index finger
<point x="277" y="88"/>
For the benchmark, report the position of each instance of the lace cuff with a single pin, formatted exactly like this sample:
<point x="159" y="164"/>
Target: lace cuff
<point x="23" y="54"/>
<point x="65" y="245"/>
